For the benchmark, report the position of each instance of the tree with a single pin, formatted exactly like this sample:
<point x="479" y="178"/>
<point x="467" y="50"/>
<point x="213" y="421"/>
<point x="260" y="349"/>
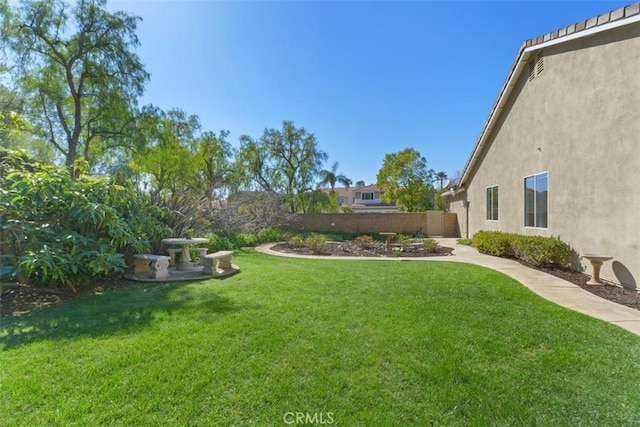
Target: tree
<point x="285" y="162"/>
<point x="165" y="152"/>
<point x="360" y="183"/>
<point x="331" y="177"/>
<point x="76" y="68"/>
<point x="441" y="176"/>
<point x="405" y="179"/>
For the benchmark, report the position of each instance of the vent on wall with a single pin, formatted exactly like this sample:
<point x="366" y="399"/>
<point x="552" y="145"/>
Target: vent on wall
<point x="540" y="62"/>
<point x="536" y="65"/>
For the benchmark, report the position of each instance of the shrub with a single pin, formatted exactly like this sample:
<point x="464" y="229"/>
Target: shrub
<point x="466" y="242"/>
<point x="64" y="230"/>
<point x="494" y="243"/>
<point x="296" y="241"/>
<point x="403" y="239"/>
<point x="220" y="243"/>
<point x="315" y="242"/>
<point x="364" y="241"/>
<point x="539" y="251"/>
<point x="430" y="245"/>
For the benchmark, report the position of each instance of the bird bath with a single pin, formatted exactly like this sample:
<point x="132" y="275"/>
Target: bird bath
<point x="388" y="237"/>
<point x="596" y="263"/>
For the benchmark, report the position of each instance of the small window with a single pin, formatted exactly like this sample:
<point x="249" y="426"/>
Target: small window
<point x="367" y="196"/>
<point x="536" y="196"/>
<point x="492" y="203"/>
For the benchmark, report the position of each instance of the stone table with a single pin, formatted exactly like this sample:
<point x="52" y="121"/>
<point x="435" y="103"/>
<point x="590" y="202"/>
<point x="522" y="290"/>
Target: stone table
<point x="184" y="262"/>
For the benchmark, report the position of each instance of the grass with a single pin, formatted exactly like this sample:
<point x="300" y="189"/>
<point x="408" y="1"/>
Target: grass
<point x="356" y="342"/>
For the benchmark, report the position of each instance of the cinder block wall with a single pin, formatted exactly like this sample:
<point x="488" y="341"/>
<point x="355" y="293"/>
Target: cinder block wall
<point x="405" y="223"/>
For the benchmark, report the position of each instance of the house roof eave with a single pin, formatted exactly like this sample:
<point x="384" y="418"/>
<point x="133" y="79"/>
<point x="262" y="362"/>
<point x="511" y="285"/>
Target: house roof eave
<point x="620" y="17"/>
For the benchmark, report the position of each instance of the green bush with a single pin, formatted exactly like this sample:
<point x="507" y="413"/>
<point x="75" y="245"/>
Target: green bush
<point x="466" y="242"/>
<point x="64" y="230"/>
<point x="430" y="245"/>
<point x="315" y="242"/>
<point x="494" y="243"/>
<point x="539" y="251"/>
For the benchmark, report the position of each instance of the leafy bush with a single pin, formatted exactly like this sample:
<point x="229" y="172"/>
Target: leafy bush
<point x="430" y="245"/>
<point x="494" y="243"/>
<point x="220" y="243"/>
<point x="61" y="229"/>
<point x="536" y="250"/>
<point x="315" y="242"/>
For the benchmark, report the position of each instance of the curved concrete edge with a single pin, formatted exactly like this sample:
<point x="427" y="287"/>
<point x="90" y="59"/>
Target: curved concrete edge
<point x="183" y="276"/>
<point x="549" y="287"/>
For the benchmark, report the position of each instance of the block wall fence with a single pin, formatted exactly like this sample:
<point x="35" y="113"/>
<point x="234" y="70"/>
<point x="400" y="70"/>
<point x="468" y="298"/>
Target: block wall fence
<point x="431" y="223"/>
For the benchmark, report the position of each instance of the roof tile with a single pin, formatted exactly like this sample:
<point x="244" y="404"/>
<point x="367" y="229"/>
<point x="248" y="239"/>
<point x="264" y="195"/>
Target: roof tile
<point x="633" y="9"/>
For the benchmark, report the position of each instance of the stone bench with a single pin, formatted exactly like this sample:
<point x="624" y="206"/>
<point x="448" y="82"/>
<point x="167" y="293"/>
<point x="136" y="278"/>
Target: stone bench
<point x="156" y="265"/>
<point x="202" y="253"/>
<point x="218" y="260"/>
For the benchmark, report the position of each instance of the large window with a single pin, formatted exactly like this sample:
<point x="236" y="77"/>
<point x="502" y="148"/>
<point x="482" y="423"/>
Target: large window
<point x="492" y="203"/>
<point x="367" y="196"/>
<point x="536" y="195"/>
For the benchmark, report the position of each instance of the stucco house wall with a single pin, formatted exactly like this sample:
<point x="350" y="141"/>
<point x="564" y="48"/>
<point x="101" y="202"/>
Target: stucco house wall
<point x="577" y="119"/>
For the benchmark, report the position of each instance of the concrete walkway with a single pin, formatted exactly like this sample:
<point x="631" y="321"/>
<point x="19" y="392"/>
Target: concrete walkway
<point x="552" y="288"/>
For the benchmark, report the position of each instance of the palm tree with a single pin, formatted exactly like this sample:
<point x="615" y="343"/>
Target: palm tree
<point x="332" y="177"/>
<point x="441" y="176"/>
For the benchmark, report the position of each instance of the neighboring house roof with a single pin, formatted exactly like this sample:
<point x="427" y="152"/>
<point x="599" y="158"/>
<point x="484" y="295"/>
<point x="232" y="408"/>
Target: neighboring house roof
<point x="371" y="187"/>
<point x="619" y="17"/>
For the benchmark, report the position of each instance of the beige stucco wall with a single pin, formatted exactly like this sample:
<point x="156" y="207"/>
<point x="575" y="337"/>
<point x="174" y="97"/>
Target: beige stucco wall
<point x="579" y="120"/>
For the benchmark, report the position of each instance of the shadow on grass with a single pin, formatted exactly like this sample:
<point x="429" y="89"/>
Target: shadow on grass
<point x="116" y="311"/>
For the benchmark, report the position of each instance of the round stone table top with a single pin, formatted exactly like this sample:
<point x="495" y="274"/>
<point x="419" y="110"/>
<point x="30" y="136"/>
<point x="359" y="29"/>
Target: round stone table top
<point x="184" y="240"/>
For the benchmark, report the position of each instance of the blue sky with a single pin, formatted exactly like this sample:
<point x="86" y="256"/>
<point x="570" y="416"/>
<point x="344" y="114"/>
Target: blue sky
<point x="367" y="78"/>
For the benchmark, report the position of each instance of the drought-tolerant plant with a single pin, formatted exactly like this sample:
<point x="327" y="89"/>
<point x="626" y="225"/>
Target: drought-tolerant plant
<point x="365" y="241"/>
<point x="315" y="242"/>
<point x="430" y="245"/>
<point x="296" y="241"/>
<point x="403" y="239"/>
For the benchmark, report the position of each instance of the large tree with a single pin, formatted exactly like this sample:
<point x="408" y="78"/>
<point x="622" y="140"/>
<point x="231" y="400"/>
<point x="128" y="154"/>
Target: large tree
<point x="77" y="69"/>
<point x="285" y="161"/>
<point x="405" y="179"/>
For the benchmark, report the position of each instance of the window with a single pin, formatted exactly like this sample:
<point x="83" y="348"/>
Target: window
<point x="536" y="195"/>
<point x="367" y="196"/>
<point x="492" y="203"/>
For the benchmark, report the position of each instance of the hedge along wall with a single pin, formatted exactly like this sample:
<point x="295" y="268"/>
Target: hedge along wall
<point x="432" y="223"/>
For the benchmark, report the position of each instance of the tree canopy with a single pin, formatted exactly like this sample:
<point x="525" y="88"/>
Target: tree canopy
<point x="77" y="71"/>
<point x="405" y="179"/>
<point x="285" y="161"/>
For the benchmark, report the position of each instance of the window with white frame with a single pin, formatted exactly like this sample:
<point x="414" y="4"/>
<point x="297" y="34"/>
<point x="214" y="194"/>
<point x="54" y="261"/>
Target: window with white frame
<point x="536" y="196"/>
<point x="492" y="203"/>
<point x="367" y="196"/>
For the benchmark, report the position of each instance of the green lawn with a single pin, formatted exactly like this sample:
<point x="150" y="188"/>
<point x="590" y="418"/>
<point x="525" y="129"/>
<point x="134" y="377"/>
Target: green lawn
<point x="349" y="342"/>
